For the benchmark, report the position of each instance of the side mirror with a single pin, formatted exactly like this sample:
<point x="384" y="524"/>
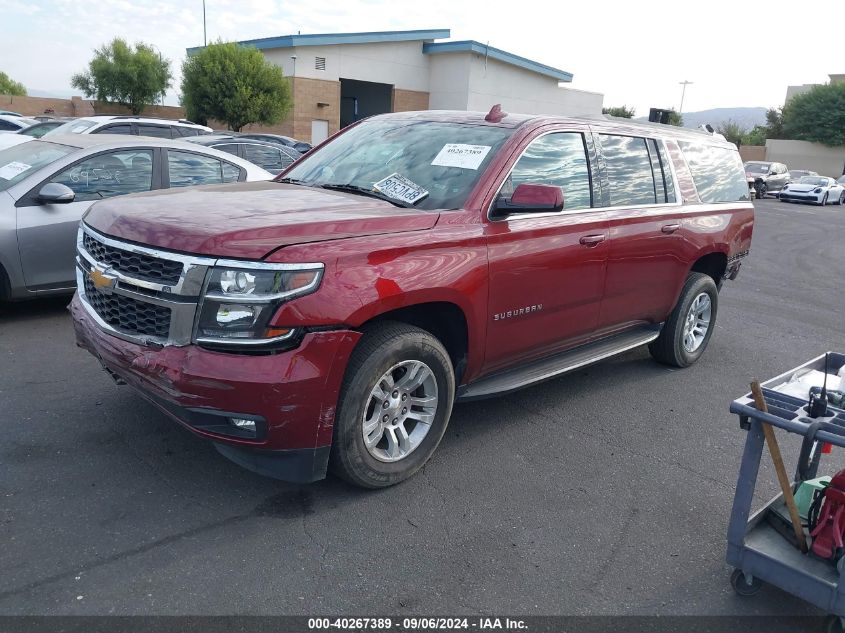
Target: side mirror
<point x="55" y="193"/>
<point x="528" y="198"/>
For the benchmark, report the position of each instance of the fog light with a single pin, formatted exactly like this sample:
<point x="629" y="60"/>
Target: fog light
<point x="244" y="424"/>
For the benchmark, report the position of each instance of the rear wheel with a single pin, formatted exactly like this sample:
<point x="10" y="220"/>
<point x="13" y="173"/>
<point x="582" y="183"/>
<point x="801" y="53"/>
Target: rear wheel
<point x="394" y="405"/>
<point x="762" y="189"/>
<point x="688" y="329"/>
<point x="841" y="198"/>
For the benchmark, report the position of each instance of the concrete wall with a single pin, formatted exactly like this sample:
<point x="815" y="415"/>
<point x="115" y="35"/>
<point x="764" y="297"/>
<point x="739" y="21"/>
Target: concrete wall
<point x="79" y="107"/>
<point x="401" y="64"/>
<point x="523" y="91"/>
<point x="449" y="80"/>
<point x="827" y="161"/>
<point x="752" y="152"/>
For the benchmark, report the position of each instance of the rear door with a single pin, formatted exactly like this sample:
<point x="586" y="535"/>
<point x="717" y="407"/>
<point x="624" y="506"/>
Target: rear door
<point x="645" y="250"/>
<point x="547" y="270"/>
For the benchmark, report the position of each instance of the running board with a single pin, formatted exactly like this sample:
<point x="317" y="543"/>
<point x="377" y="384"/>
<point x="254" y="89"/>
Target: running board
<point x="551" y="366"/>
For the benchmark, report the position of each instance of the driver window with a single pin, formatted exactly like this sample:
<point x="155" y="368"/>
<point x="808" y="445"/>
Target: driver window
<point x="107" y="175"/>
<point x="558" y="159"/>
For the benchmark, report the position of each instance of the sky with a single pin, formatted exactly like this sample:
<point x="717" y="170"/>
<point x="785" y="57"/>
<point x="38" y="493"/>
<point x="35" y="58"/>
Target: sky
<point x="736" y="52"/>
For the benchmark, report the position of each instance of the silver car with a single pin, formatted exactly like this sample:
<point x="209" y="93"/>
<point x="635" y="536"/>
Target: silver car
<point x="47" y="185"/>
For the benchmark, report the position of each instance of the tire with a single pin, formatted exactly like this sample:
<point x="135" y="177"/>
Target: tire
<point x="841" y="199"/>
<point x="761" y="189"/>
<point x="741" y="586"/>
<point x="824" y="201"/>
<point x="671" y="347"/>
<point x="388" y="353"/>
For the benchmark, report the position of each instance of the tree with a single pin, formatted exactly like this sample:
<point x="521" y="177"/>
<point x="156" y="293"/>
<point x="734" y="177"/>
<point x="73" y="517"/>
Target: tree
<point x="817" y="116"/>
<point x="774" y="123"/>
<point x="234" y="84"/>
<point x="9" y="86"/>
<point x="623" y="111"/>
<point x="676" y="119"/>
<point x="732" y="131"/>
<point x="131" y="77"/>
<point x="757" y="135"/>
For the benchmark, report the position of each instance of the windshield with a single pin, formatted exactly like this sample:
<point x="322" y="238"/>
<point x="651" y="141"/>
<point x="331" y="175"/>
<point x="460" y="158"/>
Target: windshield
<point x="77" y="126"/>
<point x="813" y="180"/>
<point x="757" y="167"/>
<point x="430" y="165"/>
<point x="18" y="162"/>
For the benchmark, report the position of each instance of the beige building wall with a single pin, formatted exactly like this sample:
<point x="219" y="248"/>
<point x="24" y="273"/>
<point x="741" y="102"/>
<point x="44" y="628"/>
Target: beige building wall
<point x="827" y="161"/>
<point x="79" y="107"/>
<point x="409" y="100"/>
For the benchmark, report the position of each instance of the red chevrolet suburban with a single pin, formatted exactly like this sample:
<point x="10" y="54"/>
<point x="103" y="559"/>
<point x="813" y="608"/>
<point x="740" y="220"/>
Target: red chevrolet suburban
<point x="331" y="318"/>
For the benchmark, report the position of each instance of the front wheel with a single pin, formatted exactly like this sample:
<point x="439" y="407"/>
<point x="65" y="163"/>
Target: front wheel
<point x="762" y="189"/>
<point x="824" y="200"/>
<point x="394" y="405"/>
<point x="688" y="329"/>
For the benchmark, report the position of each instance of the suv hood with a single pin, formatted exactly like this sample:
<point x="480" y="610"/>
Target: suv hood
<point x="248" y="220"/>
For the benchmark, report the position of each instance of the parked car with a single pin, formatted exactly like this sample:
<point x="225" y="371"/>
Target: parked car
<point x="46" y="185"/>
<point x="273" y="158"/>
<point x="10" y="113"/>
<point x="333" y="316"/>
<point x="796" y="174"/>
<point x="40" y="128"/>
<point x="816" y="189"/>
<point x="139" y="126"/>
<point x="765" y="177"/>
<point x="13" y="123"/>
<point x="277" y="139"/>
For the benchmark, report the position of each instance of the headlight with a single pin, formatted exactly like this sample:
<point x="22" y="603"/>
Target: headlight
<point x="241" y="298"/>
<point x="817" y="190"/>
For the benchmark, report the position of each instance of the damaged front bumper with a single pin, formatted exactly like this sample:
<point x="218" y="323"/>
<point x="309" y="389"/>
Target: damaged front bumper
<point x="286" y="399"/>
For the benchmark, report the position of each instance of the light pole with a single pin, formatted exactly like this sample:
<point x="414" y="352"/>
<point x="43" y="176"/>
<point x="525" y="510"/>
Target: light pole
<point x="684" y="83"/>
<point x="204" y="38"/>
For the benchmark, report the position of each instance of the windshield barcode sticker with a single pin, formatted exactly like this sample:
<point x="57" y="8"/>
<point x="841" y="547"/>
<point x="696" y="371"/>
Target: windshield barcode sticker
<point x="400" y="188"/>
<point x="460" y="155"/>
<point x="10" y="170"/>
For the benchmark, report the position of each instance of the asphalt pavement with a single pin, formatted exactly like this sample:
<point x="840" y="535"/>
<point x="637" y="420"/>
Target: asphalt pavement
<point x="606" y="491"/>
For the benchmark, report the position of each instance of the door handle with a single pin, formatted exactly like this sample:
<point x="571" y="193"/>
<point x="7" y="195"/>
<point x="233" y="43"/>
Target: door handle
<point x="592" y="240"/>
<point x="670" y="228"/>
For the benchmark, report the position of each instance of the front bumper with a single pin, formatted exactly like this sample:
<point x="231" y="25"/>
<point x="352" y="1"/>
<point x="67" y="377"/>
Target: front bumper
<point x="293" y="394"/>
<point x="790" y="196"/>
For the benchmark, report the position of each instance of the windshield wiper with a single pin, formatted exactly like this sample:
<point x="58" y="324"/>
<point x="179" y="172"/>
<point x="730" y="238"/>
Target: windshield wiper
<point x="292" y="181"/>
<point x="372" y="193"/>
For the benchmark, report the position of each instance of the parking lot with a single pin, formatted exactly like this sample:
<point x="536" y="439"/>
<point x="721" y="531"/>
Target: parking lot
<point x="604" y="492"/>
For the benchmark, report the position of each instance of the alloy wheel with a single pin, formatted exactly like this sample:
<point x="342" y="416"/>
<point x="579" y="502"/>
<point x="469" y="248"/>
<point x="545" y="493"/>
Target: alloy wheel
<point x="697" y="322"/>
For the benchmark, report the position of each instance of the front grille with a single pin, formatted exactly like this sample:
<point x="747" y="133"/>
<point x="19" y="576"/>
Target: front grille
<point x="137" y="265"/>
<point x="127" y="314"/>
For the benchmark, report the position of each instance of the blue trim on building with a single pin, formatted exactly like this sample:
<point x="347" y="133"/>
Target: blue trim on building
<point x="328" y="39"/>
<point x="430" y="48"/>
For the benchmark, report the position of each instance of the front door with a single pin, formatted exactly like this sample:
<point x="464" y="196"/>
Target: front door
<point x="546" y="270"/>
<point x="47" y="232"/>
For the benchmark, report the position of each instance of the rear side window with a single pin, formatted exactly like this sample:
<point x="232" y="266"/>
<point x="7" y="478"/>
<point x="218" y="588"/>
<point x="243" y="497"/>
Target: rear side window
<point x="229" y="148"/>
<point x="628" y="170"/>
<point x="188" y="169"/>
<point x="119" y="128"/>
<point x="717" y="172"/>
<point x="265" y="156"/>
<point x="158" y="131"/>
<point x="184" y="131"/>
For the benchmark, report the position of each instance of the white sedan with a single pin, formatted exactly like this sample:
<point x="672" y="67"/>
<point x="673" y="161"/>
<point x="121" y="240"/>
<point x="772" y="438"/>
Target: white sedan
<point x="816" y="189"/>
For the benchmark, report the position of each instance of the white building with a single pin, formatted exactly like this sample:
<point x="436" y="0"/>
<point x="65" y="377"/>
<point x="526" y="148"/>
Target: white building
<point x="340" y="78"/>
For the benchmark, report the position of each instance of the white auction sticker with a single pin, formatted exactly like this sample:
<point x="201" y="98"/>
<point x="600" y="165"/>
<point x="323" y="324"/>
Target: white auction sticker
<point x="460" y="155"/>
<point x="400" y="188"/>
<point x="10" y="170"/>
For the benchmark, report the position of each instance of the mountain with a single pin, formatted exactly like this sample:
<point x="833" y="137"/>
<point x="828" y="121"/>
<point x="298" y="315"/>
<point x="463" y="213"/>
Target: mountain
<point x="744" y="117"/>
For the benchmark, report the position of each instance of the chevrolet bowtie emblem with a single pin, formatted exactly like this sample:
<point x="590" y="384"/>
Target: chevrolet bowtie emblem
<point x="102" y="280"/>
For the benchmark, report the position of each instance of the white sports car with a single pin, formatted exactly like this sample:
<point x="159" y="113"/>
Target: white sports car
<point x="816" y="189"/>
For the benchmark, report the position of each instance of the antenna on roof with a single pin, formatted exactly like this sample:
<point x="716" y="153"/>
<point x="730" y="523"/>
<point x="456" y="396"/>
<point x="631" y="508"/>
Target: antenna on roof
<point x="496" y="114"/>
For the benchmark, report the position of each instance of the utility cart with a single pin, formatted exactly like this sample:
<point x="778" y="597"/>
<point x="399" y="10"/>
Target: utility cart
<point x="763" y="547"/>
